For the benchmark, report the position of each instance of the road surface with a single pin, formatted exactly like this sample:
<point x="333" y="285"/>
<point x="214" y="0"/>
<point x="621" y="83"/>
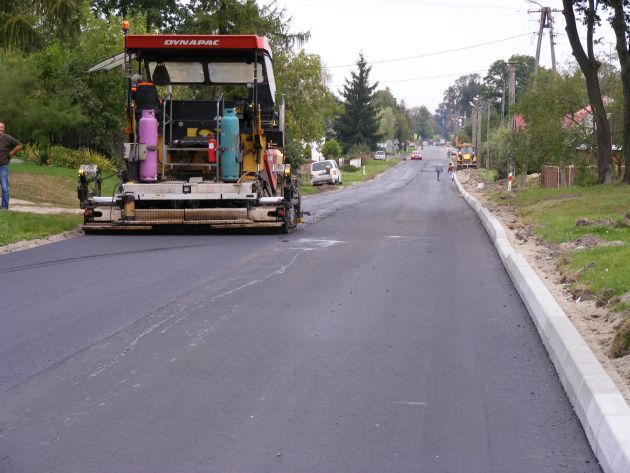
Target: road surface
<point x="383" y="336"/>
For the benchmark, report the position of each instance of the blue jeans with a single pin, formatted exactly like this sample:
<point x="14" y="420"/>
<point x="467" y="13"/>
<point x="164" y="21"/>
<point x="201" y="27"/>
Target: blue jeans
<point x="4" y="183"/>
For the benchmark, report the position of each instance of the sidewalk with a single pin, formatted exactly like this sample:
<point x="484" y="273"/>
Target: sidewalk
<point x="18" y="205"/>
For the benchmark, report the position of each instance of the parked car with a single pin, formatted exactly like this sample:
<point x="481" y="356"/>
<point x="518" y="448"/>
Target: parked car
<point x="325" y="172"/>
<point x="380" y="155"/>
<point x="415" y="156"/>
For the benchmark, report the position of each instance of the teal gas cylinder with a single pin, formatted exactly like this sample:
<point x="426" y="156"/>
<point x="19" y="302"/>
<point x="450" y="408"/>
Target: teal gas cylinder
<point x="230" y="166"/>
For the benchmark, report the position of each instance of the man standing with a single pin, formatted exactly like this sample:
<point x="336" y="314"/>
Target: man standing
<point x="9" y="147"/>
<point x="438" y="170"/>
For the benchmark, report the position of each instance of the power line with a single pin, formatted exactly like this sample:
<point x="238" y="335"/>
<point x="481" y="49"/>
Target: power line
<point x="441" y="76"/>
<point x="446" y="51"/>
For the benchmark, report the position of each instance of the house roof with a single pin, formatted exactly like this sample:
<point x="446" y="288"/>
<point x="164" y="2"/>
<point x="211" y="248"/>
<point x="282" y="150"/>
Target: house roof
<point x="578" y="117"/>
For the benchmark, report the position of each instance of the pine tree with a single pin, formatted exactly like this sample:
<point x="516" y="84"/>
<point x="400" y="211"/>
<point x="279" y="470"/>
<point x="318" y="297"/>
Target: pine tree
<point x="358" y="123"/>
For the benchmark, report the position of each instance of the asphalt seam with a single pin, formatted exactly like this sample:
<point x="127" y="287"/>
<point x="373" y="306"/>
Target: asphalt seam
<point x="599" y="405"/>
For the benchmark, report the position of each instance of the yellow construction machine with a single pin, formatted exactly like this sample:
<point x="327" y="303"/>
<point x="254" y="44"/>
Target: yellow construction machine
<point x="465" y="157"/>
<point x="196" y="162"/>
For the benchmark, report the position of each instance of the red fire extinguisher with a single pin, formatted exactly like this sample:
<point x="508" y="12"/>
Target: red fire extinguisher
<point x="212" y="149"/>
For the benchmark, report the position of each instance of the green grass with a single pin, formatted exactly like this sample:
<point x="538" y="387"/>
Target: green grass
<point x="603" y="270"/>
<point x="49" y="184"/>
<point x="553" y="214"/>
<point x="373" y="167"/>
<point x="622" y="307"/>
<point x="487" y="174"/>
<point x="18" y="226"/>
<point x="34" y="169"/>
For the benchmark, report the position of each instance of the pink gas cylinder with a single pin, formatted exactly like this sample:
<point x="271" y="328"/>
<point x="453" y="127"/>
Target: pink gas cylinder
<point x="148" y="135"/>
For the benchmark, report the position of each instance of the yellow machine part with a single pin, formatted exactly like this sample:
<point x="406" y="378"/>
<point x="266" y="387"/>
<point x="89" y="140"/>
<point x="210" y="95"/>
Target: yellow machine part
<point x="159" y="151"/>
<point x="198" y="131"/>
<point x="250" y="160"/>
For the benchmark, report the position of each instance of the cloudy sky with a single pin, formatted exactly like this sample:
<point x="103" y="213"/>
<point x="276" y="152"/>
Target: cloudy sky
<point x="418" y="48"/>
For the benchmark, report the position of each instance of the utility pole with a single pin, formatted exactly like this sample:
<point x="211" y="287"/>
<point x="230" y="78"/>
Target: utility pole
<point x="546" y="21"/>
<point x="478" y="144"/>
<point x="488" y="139"/>
<point x="474" y="126"/>
<point x="512" y="93"/>
<point x="503" y="102"/>
<point x="512" y="99"/>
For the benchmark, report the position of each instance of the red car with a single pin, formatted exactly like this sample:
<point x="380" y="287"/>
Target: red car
<point x="415" y="155"/>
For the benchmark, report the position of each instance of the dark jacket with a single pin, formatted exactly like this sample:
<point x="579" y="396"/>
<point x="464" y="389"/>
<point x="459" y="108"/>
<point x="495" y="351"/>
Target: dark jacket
<point x="7" y="143"/>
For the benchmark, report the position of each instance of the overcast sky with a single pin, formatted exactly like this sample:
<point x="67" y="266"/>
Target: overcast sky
<point x="387" y="31"/>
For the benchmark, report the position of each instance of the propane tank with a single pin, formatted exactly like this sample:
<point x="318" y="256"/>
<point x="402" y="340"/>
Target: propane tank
<point x="212" y="149"/>
<point x="148" y="135"/>
<point x="229" y="146"/>
<point x="276" y="155"/>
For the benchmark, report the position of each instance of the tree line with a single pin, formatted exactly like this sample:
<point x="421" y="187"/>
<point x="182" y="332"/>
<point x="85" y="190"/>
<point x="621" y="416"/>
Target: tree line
<point x="46" y="47"/>
<point x="566" y="117"/>
<point x="579" y="116"/>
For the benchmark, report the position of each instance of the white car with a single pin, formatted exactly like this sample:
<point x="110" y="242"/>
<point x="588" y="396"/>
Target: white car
<point x="380" y="155"/>
<point x="325" y="172"/>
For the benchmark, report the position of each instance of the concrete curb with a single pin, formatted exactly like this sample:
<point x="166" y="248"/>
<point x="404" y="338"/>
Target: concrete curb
<point x="602" y="410"/>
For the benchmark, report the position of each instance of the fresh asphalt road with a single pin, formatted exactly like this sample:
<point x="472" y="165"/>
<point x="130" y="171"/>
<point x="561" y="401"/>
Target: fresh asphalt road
<point x="383" y="336"/>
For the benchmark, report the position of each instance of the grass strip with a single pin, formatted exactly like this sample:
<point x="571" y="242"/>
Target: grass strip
<point x="373" y="167"/>
<point x="18" y="226"/>
<point x="571" y="214"/>
<point x="49" y="184"/>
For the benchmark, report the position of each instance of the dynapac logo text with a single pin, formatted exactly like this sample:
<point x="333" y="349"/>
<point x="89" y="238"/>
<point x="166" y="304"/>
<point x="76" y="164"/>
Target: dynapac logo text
<point x="191" y="42"/>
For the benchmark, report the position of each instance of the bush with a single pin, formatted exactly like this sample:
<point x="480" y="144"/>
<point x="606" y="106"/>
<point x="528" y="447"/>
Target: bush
<point x="332" y="149"/>
<point x="349" y="168"/>
<point x="33" y="154"/>
<point x="585" y="178"/>
<point x="359" y="151"/>
<point x="65" y="157"/>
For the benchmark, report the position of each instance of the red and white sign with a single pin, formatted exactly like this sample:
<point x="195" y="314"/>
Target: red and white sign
<point x="200" y="41"/>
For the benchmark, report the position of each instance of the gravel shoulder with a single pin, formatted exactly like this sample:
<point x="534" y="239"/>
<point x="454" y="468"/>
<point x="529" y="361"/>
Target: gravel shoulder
<point x="597" y="325"/>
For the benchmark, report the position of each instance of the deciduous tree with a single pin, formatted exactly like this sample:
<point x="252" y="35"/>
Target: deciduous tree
<point x="589" y="64"/>
<point x="422" y="122"/>
<point x="620" y="21"/>
<point x="161" y="15"/>
<point x="309" y="103"/>
<point x="27" y="25"/>
<point x="332" y="149"/>
<point x="552" y="138"/>
<point x="495" y="81"/>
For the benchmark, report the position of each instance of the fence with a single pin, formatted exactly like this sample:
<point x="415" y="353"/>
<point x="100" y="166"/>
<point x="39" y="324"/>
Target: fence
<point x="551" y="175"/>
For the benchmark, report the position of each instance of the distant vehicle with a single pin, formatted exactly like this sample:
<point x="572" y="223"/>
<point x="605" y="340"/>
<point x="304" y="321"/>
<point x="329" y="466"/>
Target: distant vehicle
<point x="465" y="157"/>
<point x="425" y="143"/>
<point x="415" y="156"/>
<point x="380" y="155"/>
<point x="442" y="142"/>
<point x="325" y="172"/>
